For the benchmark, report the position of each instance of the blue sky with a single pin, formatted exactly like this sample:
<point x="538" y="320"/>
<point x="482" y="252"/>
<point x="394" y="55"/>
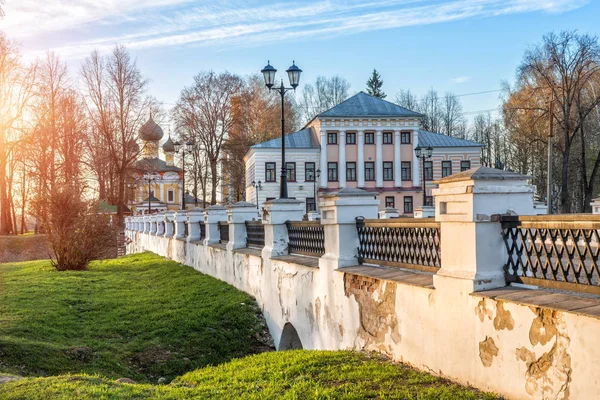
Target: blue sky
<point x="459" y="46"/>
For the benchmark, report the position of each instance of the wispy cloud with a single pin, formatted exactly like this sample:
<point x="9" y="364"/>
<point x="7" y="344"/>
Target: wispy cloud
<point x="74" y="30"/>
<point x="461" y="79"/>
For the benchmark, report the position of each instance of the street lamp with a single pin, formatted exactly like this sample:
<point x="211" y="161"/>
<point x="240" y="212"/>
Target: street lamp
<point x="315" y="186"/>
<point x="423" y="154"/>
<point x="189" y="146"/>
<point x="294" y="77"/>
<point x="258" y="187"/>
<point x="149" y="179"/>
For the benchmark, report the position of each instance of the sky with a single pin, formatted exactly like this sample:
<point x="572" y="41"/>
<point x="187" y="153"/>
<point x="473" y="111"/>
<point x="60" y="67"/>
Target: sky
<point x="457" y="46"/>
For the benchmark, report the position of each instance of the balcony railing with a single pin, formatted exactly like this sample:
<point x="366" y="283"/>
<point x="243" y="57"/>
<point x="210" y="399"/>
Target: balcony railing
<point x="255" y="231"/>
<point x="306" y="238"/>
<point x="555" y="251"/>
<point x="411" y="244"/>
<point x="223" y="232"/>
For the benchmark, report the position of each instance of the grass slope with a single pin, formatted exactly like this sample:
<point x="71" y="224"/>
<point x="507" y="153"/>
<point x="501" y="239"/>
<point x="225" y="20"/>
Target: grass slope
<point x="139" y="317"/>
<point x="288" y="375"/>
<point x="23" y="248"/>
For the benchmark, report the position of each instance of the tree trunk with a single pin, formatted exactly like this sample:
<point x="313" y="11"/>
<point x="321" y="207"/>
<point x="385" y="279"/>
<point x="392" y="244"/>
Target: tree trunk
<point x="214" y="181"/>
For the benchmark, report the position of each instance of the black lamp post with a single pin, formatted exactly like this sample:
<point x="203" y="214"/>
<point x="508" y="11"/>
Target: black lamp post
<point x="315" y="186"/>
<point x="294" y="76"/>
<point x="423" y="154"/>
<point x="149" y="179"/>
<point x="258" y="186"/>
<point x="189" y="146"/>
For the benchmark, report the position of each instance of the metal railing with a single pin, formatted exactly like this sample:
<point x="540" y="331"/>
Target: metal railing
<point x="223" y="232"/>
<point x="202" y="230"/>
<point x="554" y="251"/>
<point x="306" y="237"/>
<point x="186" y="230"/>
<point x="255" y="232"/>
<point x="411" y="244"/>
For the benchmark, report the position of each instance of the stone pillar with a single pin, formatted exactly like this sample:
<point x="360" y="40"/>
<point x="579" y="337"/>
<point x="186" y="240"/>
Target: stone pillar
<point x="237" y="215"/>
<point x="147" y="224"/>
<point x="360" y="173"/>
<point x="323" y="162"/>
<point x="415" y="163"/>
<point x="464" y="205"/>
<point x="388" y="213"/>
<point x="275" y="214"/>
<point x="342" y="159"/>
<point x="212" y="216"/>
<point x="194" y="216"/>
<point x="160" y="224"/>
<point x="313" y="215"/>
<point x="397" y="160"/>
<point x="378" y="158"/>
<point x="338" y="217"/>
<point x="153" y="224"/>
<point x="169" y="217"/>
<point x="179" y="220"/>
<point x="425" y="212"/>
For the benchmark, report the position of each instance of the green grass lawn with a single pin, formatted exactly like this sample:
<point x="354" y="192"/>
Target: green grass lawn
<point x="23" y="248"/>
<point x="142" y="317"/>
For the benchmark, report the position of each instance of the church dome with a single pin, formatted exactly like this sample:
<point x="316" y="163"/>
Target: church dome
<point x="168" y="146"/>
<point x="151" y="131"/>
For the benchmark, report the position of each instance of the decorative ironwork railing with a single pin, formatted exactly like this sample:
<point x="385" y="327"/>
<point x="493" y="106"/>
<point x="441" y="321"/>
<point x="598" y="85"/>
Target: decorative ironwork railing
<point x="255" y="232"/>
<point x="164" y="226"/>
<point x="186" y="229"/>
<point x="223" y="232"/>
<point x="202" y="230"/>
<point x="412" y="244"/>
<point x="556" y="251"/>
<point x="306" y="237"/>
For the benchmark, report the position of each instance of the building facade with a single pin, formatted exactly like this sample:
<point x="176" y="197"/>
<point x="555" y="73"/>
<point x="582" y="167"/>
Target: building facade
<point x="363" y="142"/>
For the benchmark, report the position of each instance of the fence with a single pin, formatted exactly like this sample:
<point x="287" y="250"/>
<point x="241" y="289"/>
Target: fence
<point x="555" y="251"/>
<point x="306" y="237"/>
<point x="255" y="231"/>
<point x="186" y="230"/>
<point x="202" y="230"/>
<point x="223" y="232"/>
<point x="412" y="244"/>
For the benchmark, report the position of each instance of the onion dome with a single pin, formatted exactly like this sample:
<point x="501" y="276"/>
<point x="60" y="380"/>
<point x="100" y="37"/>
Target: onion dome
<point x="169" y="146"/>
<point x="151" y="131"/>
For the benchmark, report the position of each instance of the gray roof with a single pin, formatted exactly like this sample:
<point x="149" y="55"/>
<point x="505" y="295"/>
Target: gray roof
<point x="154" y="165"/>
<point x="365" y="105"/>
<point x="304" y="139"/>
<point x="482" y="173"/>
<point x="440" y="140"/>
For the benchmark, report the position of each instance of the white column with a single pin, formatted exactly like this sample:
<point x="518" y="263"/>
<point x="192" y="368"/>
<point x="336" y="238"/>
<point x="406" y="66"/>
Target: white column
<point x="415" y="163"/>
<point x="397" y="160"/>
<point x="379" y="158"/>
<point x="276" y="213"/>
<point x="323" y="165"/>
<point x="342" y="160"/>
<point x="212" y="216"/>
<point x="237" y="215"/>
<point x="361" y="159"/>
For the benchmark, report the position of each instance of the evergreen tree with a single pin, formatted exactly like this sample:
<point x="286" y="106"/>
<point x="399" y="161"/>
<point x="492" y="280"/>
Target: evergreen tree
<point x="374" y="85"/>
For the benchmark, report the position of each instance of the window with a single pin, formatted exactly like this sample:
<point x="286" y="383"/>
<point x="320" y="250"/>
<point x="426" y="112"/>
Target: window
<point x="170" y="196"/>
<point x="428" y="200"/>
<point x="309" y="172"/>
<point x="310" y="204"/>
<point x="388" y="137"/>
<point x="270" y="172"/>
<point x="369" y="171"/>
<point x="350" y="137"/>
<point x="350" y="171"/>
<point x="369" y="137"/>
<point x="465" y="165"/>
<point x="408" y="204"/>
<point x="446" y="168"/>
<point x="390" y="202"/>
<point x="332" y="172"/>
<point x="331" y="138"/>
<point x="405" y="138"/>
<point x="388" y="171"/>
<point x="290" y="171"/>
<point x="428" y="171"/>
<point x="406" y="173"/>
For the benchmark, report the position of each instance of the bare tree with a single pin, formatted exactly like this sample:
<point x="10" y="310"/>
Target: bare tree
<point x="451" y="115"/>
<point x="324" y="94"/>
<point x="407" y="99"/>
<point x="432" y="109"/>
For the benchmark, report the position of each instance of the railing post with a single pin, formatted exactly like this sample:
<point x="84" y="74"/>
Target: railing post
<point x="140" y="224"/>
<point x="275" y="214"/>
<point x="160" y="224"/>
<point x="180" y="218"/>
<point x="425" y="212"/>
<point x="194" y="216"/>
<point x="473" y="253"/>
<point x="388" y="213"/>
<point x="169" y="217"/>
<point x="153" y="224"/>
<point x="146" y="224"/>
<point x="338" y="217"/>
<point x="237" y="215"/>
<point x="212" y="216"/>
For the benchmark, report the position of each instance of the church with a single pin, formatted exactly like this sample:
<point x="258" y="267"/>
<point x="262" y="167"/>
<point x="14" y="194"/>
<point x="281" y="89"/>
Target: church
<point x="155" y="183"/>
